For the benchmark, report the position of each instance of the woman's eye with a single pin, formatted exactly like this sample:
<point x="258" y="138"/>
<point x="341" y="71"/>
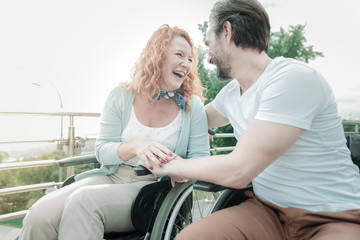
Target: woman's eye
<point x="191" y="60"/>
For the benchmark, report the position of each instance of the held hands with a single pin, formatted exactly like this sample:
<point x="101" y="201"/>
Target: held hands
<point x="157" y="158"/>
<point x="152" y="154"/>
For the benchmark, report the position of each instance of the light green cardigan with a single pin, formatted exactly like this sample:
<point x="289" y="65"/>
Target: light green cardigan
<point x="193" y="140"/>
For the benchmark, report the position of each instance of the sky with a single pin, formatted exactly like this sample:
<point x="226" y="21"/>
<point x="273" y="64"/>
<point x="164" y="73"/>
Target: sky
<point x="67" y="55"/>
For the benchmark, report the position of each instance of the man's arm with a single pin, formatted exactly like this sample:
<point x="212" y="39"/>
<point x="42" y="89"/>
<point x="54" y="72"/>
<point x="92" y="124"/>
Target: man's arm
<point x="215" y="119"/>
<point x="260" y="145"/>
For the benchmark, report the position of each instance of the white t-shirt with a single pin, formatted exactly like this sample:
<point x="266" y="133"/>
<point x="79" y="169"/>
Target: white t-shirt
<point x="168" y="135"/>
<point x="316" y="173"/>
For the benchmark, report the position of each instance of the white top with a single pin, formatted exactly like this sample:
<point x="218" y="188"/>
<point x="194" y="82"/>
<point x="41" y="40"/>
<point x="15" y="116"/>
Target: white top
<point x="316" y="173"/>
<point x="168" y="135"/>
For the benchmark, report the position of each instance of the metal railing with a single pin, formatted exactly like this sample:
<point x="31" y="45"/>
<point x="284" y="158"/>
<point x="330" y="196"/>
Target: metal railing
<point x="355" y="123"/>
<point x="73" y="143"/>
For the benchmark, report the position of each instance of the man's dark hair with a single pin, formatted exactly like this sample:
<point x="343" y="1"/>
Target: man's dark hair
<point x="249" y="21"/>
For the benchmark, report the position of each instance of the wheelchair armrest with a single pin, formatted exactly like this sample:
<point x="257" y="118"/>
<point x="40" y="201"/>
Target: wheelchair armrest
<point x="77" y="160"/>
<point x="199" y="185"/>
<point x="141" y="170"/>
<point x="208" y="187"/>
<point x="211" y="132"/>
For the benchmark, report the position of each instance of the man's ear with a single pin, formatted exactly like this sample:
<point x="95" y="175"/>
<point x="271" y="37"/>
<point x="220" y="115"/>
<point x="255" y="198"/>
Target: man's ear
<point x="227" y="31"/>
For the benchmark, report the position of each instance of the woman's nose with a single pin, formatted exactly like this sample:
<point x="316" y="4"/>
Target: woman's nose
<point x="186" y="63"/>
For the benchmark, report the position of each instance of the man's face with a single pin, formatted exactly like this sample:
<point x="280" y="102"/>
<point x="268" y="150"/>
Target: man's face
<point x="218" y="55"/>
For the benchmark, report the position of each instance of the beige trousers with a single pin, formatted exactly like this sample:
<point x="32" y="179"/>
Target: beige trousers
<point x="257" y="220"/>
<point x="86" y="209"/>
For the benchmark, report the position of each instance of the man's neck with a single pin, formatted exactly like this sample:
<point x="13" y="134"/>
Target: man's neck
<point x="248" y="67"/>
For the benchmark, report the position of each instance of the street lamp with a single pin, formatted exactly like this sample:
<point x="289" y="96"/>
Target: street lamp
<point x="61" y="103"/>
<point x="59" y="146"/>
<point x="57" y="91"/>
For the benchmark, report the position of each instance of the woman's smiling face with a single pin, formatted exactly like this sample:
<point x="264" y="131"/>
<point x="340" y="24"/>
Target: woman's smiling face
<point x="177" y="64"/>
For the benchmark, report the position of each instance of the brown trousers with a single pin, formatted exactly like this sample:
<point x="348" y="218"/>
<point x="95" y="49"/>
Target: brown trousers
<point x="257" y="220"/>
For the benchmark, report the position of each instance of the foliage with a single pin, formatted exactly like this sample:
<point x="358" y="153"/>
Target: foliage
<point x="289" y="43"/>
<point x="21" y="177"/>
<point x="13" y="222"/>
<point x="349" y="128"/>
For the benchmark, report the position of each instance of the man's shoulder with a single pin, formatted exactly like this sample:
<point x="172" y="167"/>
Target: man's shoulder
<point x="230" y="86"/>
<point x="291" y="65"/>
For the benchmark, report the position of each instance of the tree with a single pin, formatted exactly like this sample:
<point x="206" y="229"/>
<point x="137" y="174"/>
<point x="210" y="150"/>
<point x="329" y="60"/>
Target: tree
<point x="27" y="176"/>
<point x="289" y="43"/>
<point x="12" y="202"/>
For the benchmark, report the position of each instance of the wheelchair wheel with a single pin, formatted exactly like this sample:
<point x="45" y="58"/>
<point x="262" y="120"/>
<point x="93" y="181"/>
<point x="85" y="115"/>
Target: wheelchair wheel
<point x="175" y="212"/>
<point x="182" y="206"/>
<point x="229" y="198"/>
<point x="203" y="203"/>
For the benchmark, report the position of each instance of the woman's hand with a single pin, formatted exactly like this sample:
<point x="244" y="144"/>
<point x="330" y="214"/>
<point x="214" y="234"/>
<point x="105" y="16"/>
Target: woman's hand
<point x="152" y="153"/>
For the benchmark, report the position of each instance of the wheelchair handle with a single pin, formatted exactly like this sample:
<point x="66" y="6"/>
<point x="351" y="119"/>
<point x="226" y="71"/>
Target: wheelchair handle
<point x="211" y="132"/>
<point x="140" y="170"/>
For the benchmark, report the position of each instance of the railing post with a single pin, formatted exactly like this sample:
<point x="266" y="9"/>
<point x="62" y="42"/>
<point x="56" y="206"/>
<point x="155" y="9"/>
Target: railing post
<point x="71" y="146"/>
<point x="60" y="145"/>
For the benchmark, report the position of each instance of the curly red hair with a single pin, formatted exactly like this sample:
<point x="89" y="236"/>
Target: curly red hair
<point x="147" y="72"/>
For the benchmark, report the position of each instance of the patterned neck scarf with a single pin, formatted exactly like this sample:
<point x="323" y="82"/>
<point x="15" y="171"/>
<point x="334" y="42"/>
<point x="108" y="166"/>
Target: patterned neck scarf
<point x="179" y="99"/>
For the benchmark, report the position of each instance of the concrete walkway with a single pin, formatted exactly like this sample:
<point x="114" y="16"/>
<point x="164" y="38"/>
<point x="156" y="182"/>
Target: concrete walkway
<point x="8" y="233"/>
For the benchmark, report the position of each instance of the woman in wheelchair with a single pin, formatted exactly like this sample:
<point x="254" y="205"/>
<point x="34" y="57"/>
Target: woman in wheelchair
<point x="155" y="117"/>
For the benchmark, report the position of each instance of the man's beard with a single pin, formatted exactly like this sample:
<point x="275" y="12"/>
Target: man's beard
<point x="223" y="70"/>
<point x="221" y="61"/>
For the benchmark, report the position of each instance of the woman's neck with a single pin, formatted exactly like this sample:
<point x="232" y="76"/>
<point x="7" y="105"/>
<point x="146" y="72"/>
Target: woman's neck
<point x="155" y="113"/>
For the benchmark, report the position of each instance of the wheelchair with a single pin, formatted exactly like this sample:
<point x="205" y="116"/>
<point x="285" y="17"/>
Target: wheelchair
<point x="160" y="211"/>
